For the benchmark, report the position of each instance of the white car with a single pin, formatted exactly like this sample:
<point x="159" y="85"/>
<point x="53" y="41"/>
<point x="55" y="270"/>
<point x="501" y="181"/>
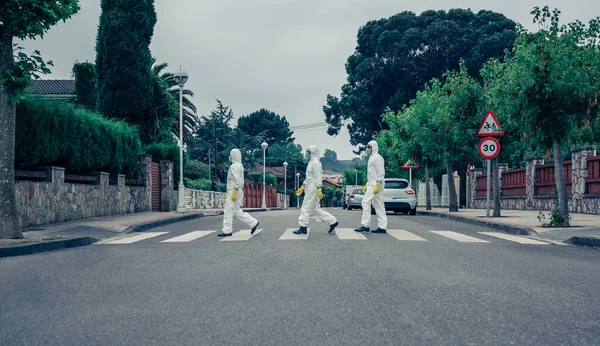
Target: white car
<point x="398" y="196"/>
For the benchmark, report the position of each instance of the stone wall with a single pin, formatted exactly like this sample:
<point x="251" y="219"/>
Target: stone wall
<point x="579" y="202"/>
<point x="197" y="199"/>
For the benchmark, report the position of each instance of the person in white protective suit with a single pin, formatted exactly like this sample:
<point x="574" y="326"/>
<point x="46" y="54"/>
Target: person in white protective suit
<point x="374" y="191"/>
<point x="235" y="196"/>
<point x="313" y="193"/>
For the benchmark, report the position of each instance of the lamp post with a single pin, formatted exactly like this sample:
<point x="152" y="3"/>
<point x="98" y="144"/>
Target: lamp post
<point x="297" y="187"/>
<point x="355" y="177"/>
<point x="264" y="145"/>
<point x="181" y="77"/>
<point x="285" y="164"/>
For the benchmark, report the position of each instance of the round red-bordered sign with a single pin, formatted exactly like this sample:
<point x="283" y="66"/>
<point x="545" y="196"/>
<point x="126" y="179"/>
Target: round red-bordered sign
<point x="489" y="148"/>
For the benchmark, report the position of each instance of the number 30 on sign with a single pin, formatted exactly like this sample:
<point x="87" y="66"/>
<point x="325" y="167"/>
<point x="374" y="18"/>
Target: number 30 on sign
<point x="489" y="148"/>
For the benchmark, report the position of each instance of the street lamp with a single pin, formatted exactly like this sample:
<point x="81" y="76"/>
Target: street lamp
<point x="181" y="77"/>
<point x="264" y="145"/>
<point x="355" y="177"/>
<point x="285" y="164"/>
<point x="297" y="187"/>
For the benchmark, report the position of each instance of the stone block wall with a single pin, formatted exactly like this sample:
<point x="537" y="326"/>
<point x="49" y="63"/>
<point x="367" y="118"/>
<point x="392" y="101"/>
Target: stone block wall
<point x="579" y="201"/>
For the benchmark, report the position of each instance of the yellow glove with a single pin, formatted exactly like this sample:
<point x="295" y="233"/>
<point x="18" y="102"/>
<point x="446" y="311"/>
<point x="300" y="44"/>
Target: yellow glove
<point x="234" y="195"/>
<point x="377" y="187"/>
<point x="320" y="193"/>
<point x="365" y="189"/>
<point x="300" y="191"/>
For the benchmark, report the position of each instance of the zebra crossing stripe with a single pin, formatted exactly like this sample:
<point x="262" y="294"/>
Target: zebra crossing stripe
<point x="242" y="235"/>
<point x="136" y="238"/>
<point x="459" y="237"/>
<point x="514" y="238"/>
<point x="401" y="234"/>
<point x="188" y="237"/>
<point x="349" y="234"/>
<point x="289" y="235"/>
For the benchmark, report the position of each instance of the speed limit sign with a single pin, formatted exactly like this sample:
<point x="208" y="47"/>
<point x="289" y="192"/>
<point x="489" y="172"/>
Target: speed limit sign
<point x="489" y="148"/>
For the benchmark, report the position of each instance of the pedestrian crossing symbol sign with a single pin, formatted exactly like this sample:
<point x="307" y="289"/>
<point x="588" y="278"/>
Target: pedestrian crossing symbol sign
<point x="490" y="126"/>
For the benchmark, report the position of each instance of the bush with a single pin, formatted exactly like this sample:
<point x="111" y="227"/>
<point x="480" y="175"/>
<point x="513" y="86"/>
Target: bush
<point x="270" y="179"/>
<point x="168" y="152"/>
<point x="194" y="170"/>
<point x="55" y="133"/>
<point x="204" y="185"/>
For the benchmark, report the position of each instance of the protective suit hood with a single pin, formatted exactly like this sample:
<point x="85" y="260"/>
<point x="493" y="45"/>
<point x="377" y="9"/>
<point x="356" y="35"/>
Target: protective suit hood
<point x="374" y="147"/>
<point x="314" y="152"/>
<point x="236" y="156"/>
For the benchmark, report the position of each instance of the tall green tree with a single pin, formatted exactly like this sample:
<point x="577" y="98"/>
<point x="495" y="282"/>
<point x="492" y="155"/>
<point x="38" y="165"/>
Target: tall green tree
<point x="553" y="82"/>
<point x="86" y="85"/>
<point x="269" y="125"/>
<point x="396" y="56"/>
<point x="124" y="62"/>
<point x="20" y="19"/>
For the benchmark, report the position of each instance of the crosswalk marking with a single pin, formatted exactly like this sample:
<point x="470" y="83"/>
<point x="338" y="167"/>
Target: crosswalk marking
<point x="289" y="235"/>
<point x="349" y="234"/>
<point x="188" y="237"/>
<point x="401" y="234"/>
<point x="516" y="239"/>
<point x="242" y="235"/>
<point x="459" y="237"/>
<point x="136" y="238"/>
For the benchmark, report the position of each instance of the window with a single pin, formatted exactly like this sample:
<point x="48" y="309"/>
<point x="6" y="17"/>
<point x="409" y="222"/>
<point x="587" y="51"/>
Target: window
<point x="357" y="192"/>
<point x="396" y="184"/>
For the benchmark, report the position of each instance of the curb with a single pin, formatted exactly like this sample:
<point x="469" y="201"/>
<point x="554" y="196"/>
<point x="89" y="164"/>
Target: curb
<point x="584" y="241"/>
<point x="502" y="227"/>
<point x="157" y="223"/>
<point x="46" y="246"/>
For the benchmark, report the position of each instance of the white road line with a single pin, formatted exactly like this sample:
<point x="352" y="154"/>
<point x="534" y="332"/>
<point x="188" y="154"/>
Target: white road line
<point x="349" y="234"/>
<point x="459" y="237"/>
<point x="516" y="239"/>
<point x="242" y="235"/>
<point x="136" y="238"/>
<point x="289" y="235"/>
<point x="401" y="234"/>
<point x="188" y="237"/>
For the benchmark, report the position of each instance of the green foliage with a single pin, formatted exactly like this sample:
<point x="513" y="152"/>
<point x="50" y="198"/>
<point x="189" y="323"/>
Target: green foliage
<point x="30" y="18"/>
<point x="396" y="56"/>
<point x="85" y="85"/>
<point x="351" y="176"/>
<point x="195" y="170"/>
<point x="555" y="220"/>
<point x="269" y="126"/>
<point x="198" y="184"/>
<point x="56" y="133"/>
<point x="279" y="153"/>
<point x="124" y="62"/>
<point x="18" y="72"/>
<point x="270" y="179"/>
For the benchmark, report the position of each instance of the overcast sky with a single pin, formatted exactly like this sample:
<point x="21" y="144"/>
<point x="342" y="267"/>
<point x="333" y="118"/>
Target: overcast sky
<point x="283" y="55"/>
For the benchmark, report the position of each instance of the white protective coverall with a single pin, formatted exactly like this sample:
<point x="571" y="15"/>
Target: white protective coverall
<point x="312" y="182"/>
<point x="235" y="181"/>
<point x="375" y="174"/>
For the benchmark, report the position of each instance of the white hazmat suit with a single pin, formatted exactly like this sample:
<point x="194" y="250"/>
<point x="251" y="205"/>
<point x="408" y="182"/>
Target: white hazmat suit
<point x="375" y="176"/>
<point x="312" y="183"/>
<point x="235" y="190"/>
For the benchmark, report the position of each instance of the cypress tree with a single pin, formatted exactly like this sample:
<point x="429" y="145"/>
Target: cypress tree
<point x="123" y="60"/>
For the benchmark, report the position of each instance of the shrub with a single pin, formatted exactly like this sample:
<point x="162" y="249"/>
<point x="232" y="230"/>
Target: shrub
<point x="198" y="184"/>
<point x="270" y="179"/>
<point x="55" y="133"/>
<point x="194" y="170"/>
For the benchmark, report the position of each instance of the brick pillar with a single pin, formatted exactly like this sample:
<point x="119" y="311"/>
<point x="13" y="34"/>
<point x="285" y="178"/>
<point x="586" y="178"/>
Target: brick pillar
<point x="167" y="184"/>
<point x="143" y="176"/>
<point x="531" y="163"/>
<point x="579" y="176"/>
<point x="502" y="167"/>
<point x="54" y="174"/>
<point x="121" y="181"/>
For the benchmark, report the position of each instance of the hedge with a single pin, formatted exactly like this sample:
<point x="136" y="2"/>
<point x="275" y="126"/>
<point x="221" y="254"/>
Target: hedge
<point x="55" y="133"/>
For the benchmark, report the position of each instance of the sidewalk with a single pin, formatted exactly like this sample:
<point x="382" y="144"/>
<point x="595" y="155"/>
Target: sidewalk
<point x="584" y="230"/>
<point x="82" y="232"/>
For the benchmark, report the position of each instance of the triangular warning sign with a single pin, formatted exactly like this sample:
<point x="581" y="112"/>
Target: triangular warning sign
<point x="490" y="126"/>
<point x="410" y="164"/>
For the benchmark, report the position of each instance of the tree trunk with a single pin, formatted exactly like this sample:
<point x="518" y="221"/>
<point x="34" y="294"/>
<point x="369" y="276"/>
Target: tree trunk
<point x="427" y="186"/>
<point x="496" y="175"/>
<point x="452" y="200"/>
<point x="9" y="225"/>
<point x="561" y="184"/>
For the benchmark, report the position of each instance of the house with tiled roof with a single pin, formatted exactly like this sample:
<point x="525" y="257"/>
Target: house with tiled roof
<point x="52" y="88"/>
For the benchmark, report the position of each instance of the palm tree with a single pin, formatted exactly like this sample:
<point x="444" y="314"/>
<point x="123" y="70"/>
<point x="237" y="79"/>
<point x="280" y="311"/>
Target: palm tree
<point x="167" y="104"/>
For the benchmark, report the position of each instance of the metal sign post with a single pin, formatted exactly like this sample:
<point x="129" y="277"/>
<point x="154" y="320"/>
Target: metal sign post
<point x="488" y="149"/>
<point x="487" y="188"/>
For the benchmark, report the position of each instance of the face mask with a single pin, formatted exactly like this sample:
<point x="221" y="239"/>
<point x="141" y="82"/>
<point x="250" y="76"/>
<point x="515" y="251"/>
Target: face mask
<point x="307" y="155"/>
<point x="368" y="151"/>
<point x="230" y="159"/>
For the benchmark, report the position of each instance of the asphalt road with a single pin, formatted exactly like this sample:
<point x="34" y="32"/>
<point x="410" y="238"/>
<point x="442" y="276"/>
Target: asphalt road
<point x="320" y="291"/>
